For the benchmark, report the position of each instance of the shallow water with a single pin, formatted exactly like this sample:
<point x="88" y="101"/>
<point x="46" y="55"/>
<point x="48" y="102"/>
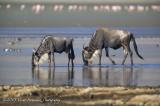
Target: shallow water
<point x="15" y="66"/>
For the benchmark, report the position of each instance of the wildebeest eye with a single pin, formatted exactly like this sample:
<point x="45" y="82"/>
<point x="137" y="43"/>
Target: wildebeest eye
<point x="90" y="51"/>
<point x="36" y="53"/>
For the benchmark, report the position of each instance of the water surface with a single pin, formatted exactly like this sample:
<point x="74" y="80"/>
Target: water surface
<point x="15" y="66"/>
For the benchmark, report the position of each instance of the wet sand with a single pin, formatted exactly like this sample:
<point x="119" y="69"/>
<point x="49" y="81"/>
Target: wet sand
<point x="81" y="96"/>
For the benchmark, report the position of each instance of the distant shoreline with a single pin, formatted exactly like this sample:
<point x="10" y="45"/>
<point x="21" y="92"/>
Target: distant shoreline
<point x="72" y="31"/>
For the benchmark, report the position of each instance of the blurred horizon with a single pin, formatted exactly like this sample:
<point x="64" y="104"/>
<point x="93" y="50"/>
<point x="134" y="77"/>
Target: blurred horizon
<point x="43" y="14"/>
<point x="80" y="1"/>
<point x="79" y="15"/>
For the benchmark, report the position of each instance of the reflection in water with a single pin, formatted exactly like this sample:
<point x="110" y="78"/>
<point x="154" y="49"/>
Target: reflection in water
<point x="48" y="76"/>
<point x="110" y="76"/>
<point x="91" y="76"/>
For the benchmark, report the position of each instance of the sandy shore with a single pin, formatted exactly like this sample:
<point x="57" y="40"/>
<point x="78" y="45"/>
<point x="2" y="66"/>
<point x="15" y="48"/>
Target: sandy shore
<point x="84" y="96"/>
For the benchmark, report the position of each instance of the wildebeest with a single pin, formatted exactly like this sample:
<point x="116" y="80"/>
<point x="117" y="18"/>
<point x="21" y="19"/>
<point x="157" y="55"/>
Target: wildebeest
<point x="49" y="45"/>
<point x="108" y="38"/>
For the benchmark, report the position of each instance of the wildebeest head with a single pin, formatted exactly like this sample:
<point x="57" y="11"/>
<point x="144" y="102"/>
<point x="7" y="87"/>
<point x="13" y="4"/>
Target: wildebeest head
<point x="40" y="54"/>
<point x="35" y="57"/>
<point x="39" y="57"/>
<point x="87" y="55"/>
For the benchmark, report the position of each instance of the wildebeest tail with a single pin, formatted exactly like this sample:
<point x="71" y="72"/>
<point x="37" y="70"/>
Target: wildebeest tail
<point x="72" y="50"/>
<point x="135" y="46"/>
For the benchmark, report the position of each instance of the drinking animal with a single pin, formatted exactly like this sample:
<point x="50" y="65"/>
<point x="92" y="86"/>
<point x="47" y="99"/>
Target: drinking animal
<point x="105" y="38"/>
<point x="50" y="45"/>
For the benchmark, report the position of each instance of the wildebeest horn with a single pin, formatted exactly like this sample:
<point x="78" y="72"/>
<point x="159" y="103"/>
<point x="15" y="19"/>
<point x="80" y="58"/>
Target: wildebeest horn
<point x="34" y="50"/>
<point x="83" y="46"/>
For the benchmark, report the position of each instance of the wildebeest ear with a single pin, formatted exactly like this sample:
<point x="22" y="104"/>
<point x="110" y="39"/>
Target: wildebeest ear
<point x="85" y="47"/>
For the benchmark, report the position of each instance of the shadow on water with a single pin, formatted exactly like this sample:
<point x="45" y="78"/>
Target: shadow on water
<point x="87" y="76"/>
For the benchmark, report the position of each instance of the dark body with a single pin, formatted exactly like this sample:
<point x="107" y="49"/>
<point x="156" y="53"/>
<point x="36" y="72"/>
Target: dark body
<point x="51" y="45"/>
<point x="108" y="38"/>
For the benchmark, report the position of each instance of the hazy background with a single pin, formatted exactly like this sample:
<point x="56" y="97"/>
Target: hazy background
<point x="78" y="17"/>
<point x="79" y="13"/>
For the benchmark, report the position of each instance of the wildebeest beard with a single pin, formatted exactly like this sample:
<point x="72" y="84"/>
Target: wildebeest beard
<point x="88" y="55"/>
<point x="39" y="59"/>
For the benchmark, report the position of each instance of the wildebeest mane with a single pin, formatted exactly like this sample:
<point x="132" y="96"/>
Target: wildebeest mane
<point x="92" y="45"/>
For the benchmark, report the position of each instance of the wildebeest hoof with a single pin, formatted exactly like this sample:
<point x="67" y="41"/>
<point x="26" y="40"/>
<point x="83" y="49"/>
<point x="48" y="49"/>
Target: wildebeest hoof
<point x="33" y="65"/>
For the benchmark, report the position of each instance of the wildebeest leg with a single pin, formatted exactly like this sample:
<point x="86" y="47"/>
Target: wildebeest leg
<point x="53" y="59"/>
<point x="131" y="54"/>
<point x="100" y="56"/>
<point x="107" y="54"/>
<point x="49" y="58"/>
<point x="69" y="59"/>
<point x="125" y="53"/>
<point x="72" y="62"/>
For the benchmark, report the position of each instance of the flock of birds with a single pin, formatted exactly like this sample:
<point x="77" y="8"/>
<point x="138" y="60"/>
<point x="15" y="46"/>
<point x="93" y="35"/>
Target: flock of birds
<point x="12" y="47"/>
